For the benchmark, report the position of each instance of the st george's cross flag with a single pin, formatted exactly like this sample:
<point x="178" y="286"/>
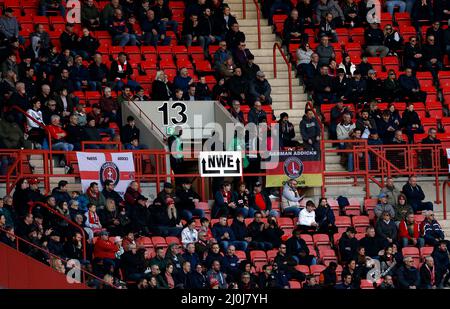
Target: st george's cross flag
<point x="99" y="167"/>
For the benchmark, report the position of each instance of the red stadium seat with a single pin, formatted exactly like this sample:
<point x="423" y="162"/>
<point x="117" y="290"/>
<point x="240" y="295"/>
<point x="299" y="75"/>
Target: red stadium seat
<point x="360" y="223"/>
<point x="425" y="251"/>
<point x="307" y="238"/>
<point x="271" y="254"/>
<point x="173" y="239"/>
<point x="321" y="239"/>
<point x="241" y="255"/>
<point x="295" y="284"/>
<point x="303" y="268"/>
<point x="159" y="242"/>
<point x="258" y="256"/>
<point x="145" y="241"/>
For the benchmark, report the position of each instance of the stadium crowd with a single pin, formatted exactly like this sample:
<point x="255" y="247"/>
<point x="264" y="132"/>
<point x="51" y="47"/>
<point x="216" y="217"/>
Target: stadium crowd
<point x="51" y="80"/>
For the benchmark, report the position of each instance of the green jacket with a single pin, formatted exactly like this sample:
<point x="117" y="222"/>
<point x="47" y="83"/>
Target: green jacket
<point x="239" y="145"/>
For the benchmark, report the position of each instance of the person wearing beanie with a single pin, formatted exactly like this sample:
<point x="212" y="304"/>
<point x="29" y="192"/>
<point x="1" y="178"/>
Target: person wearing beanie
<point x="287" y="132"/>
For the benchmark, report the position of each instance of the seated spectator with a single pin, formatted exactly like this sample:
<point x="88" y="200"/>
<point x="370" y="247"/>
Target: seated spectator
<point x="415" y="195"/>
<point x="256" y="115"/>
<point x="164" y="16"/>
<point x="133" y="262"/>
<point x="118" y="29"/>
<point x="413" y="54"/>
<point x="347" y="65"/>
<point x="383" y="206"/>
<point x="407" y="275"/>
<point x="348" y="245"/>
<point x="293" y="29"/>
<point x="109" y="192"/>
<point x="121" y="73"/>
<point x="58" y="135"/>
<point x="80" y="75"/>
<point x="431" y="229"/>
<point x="257" y="231"/>
<point x="327" y="28"/>
<point x="345" y="128"/>
<point x="188" y="200"/>
<point x="92" y="219"/>
<point x="216" y="277"/>
<point x="287" y="132"/>
<point x="101" y="121"/>
<point x="442" y="264"/>
<point x="190" y="94"/>
<point x="166" y="218"/>
<point x="310" y="131"/>
<point x="310" y="71"/>
<point x="151" y="30"/>
<point x="409" y="232"/>
<point x="236" y="112"/>
<point x="372" y="243"/>
<point x="330" y="6"/>
<point x="189" y="234"/>
<point x="238" y="86"/>
<point x="428" y="274"/>
<point x="365" y="124"/>
<point x="87" y="44"/>
<point x="129" y="131"/>
<point x="260" y="202"/>
<point x="325" y="51"/>
<point x="392" y="40"/>
<point x="109" y="106"/>
<point x="51" y="5"/>
<point x="358" y="87"/>
<point x="304" y="53"/>
<point x="432" y="57"/>
<point x="35" y="132"/>
<point x="307" y="218"/>
<point x="427" y="155"/>
<point x="322" y="86"/>
<point x="202" y="90"/>
<point x="225" y="235"/>
<point x="311" y="281"/>
<point x="259" y="89"/>
<point x="350" y="10"/>
<point x="386" y="228"/>
<point x="64" y="104"/>
<point x="191" y="29"/>
<point x="241" y="55"/>
<point x="391" y="192"/>
<point x="290" y="201"/>
<point x="296" y="248"/>
<point x="421" y="11"/>
<point x="325" y="218"/>
<point x="402" y="209"/>
<point x="223" y="203"/>
<point x="221" y="54"/>
<point x="375" y="40"/>
<point x="161" y="87"/>
<point x="342" y="85"/>
<point x="183" y="80"/>
<point x="391" y="87"/>
<point x="90" y="15"/>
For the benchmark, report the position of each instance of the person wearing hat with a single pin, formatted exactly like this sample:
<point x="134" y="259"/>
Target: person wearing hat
<point x="9" y="26"/>
<point x="383" y="206"/>
<point x="260" y="201"/>
<point x="105" y="252"/>
<point x="34" y="194"/>
<point x="287" y="132"/>
<point x="165" y="219"/>
<point x="188" y="200"/>
<point x="92" y="134"/>
<point x="250" y="69"/>
<point x="259" y="89"/>
<point x="348" y="245"/>
<point x="167" y="192"/>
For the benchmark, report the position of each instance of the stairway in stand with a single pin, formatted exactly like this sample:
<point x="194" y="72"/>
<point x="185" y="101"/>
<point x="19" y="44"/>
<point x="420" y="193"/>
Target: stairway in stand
<point x="264" y="58"/>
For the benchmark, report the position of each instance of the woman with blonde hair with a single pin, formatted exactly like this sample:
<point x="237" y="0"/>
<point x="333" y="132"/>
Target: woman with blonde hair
<point x="160" y="87"/>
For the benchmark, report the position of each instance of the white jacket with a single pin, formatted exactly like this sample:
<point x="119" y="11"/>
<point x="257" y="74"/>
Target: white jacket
<point x="352" y="67"/>
<point x="36" y="115"/>
<point x="306" y="218"/>
<point x="290" y="197"/>
<point x="188" y="236"/>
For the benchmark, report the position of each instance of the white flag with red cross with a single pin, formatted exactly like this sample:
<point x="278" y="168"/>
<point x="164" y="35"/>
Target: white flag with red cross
<point x="99" y="167"/>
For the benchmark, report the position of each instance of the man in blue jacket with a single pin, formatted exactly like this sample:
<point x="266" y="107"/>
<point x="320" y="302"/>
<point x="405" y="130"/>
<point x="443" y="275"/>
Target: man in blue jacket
<point x="230" y="263"/>
<point x="415" y="195"/>
<point x="225" y="235"/>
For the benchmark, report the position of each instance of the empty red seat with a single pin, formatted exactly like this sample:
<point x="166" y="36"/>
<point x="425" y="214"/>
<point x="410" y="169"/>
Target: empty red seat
<point x="241" y="255"/>
<point x="321" y="239"/>
<point x="426" y="251"/>
<point x="303" y="268"/>
<point x="366" y="285"/>
<point x="307" y="238"/>
<point x="271" y="254"/>
<point x="258" y="256"/>
<point x="360" y="223"/>
<point x="343" y="221"/>
<point x="145" y="241"/>
<point x="159" y="241"/>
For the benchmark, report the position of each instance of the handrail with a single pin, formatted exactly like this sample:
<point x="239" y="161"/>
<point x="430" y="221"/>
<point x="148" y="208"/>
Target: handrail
<point x="84" y="143"/>
<point x="11" y="170"/>
<point x="289" y="65"/>
<point x="258" y="17"/>
<point x="141" y="112"/>
<point x="83" y="233"/>
<point x="17" y="238"/>
<point x="35" y="121"/>
<point x="444" y="197"/>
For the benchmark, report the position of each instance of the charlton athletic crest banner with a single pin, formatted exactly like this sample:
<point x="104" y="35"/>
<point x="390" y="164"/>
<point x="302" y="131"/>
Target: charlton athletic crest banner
<point x="98" y="167"/>
<point x="304" y="166"/>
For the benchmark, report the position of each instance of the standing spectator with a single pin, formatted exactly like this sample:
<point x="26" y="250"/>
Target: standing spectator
<point x="415" y="195"/>
<point x="9" y="27"/>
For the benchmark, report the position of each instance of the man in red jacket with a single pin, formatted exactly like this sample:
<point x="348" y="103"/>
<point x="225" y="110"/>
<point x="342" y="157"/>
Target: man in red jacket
<point x="409" y="232"/>
<point x="105" y="252"/>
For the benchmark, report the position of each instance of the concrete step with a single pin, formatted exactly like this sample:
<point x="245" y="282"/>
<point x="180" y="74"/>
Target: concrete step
<point x="56" y="170"/>
<point x="295" y="97"/>
<point x="254" y="30"/>
<point x="334" y="167"/>
<point x="269" y="59"/>
<point x="285" y="90"/>
<point x="250" y="15"/>
<point x="265" y="51"/>
<point x="264" y="38"/>
<point x="293" y="113"/>
<point x="276" y="82"/>
<point x="54" y="180"/>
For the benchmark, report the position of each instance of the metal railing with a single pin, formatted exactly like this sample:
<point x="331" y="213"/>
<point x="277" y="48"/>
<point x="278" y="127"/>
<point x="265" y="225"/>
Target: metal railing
<point x="258" y="18"/>
<point x="276" y="47"/>
<point x="444" y="197"/>
<point x="60" y="216"/>
<point x="152" y="124"/>
<point x="85" y="274"/>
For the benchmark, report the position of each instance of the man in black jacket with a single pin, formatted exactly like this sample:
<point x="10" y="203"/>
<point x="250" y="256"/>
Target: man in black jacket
<point x="140" y="216"/>
<point x="297" y="248"/>
<point x="415" y="195"/>
<point x="428" y="274"/>
<point x="322" y="86"/>
<point x="234" y="37"/>
<point x="410" y="86"/>
<point x="182" y="278"/>
<point x="73" y="249"/>
<point x="310" y="131"/>
<point x="129" y="131"/>
<point x="348" y="245"/>
<point x="256" y="230"/>
<point x="372" y="243"/>
<point x="374" y="41"/>
<point x="407" y="275"/>
<point x="188" y="199"/>
<point x="432" y="57"/>
<point x="108" y="192"/>
<point x="293" y="29"/>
